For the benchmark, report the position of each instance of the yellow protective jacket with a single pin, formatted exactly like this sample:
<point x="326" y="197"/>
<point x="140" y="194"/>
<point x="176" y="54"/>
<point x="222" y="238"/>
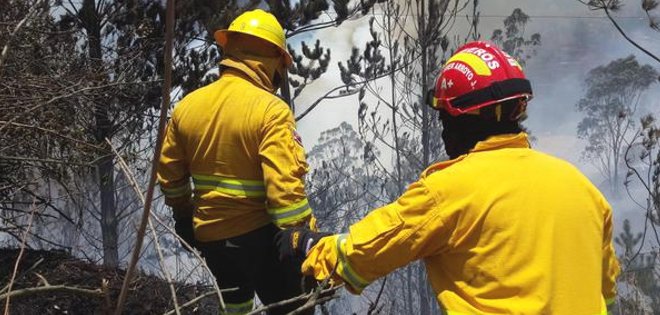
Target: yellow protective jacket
<point x="502" y="230"/>
<point x="236" y="141"/>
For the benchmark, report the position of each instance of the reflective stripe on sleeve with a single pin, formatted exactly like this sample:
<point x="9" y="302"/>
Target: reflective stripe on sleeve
<point x="344" y="267"/>
<point x="290" y="214"/>
<point x="230" y="186"/>
<point x="175" y="192"/>
<point x="238" y="309"/>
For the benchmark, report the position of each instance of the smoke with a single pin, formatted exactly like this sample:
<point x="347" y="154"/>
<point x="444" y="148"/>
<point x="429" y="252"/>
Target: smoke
<point x="574" y="41"/>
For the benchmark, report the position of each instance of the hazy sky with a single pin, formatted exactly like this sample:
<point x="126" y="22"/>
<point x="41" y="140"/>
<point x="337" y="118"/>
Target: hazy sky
<point x="574" y="40"/>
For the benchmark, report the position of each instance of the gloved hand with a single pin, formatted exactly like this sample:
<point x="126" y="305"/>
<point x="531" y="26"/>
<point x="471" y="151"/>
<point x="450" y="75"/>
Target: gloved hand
<point x="184" y="228"/>
<point x="296" y="242"/>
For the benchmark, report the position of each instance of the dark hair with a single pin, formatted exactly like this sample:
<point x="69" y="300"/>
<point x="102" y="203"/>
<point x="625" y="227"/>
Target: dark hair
<point x="461" y="133"/>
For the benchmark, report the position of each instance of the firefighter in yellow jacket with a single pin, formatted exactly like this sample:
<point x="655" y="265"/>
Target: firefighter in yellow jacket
<point x="235" y="142"/>
<point x="501" y="228"/>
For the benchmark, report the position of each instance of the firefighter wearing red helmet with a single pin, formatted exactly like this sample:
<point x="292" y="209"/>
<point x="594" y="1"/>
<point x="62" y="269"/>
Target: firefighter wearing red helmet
<point x="501" y="228"/>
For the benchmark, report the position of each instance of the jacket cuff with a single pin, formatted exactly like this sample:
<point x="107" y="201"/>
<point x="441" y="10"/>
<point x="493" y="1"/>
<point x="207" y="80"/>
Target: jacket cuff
<point x="175" y="192"/>
<point x="290" y="215"/>
<point x="346" y="271"/>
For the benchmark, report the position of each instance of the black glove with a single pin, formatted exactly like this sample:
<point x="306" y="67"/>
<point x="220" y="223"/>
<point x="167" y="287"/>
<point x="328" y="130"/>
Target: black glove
<point x="294" y="243"/>
<point x="184" y="228"/>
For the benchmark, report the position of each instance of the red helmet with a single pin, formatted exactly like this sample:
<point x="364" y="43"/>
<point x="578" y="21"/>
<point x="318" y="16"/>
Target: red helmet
<point x="479" y="74"/>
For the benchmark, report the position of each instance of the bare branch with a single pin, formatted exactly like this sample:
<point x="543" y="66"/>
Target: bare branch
<point x="68" y="95"/>
<point x="18" y="260"/>
<point x="374" y="305"/>
<point x="167" y="85"/>
<point x="49" y="288"/>
<point x="26" y="271"/>
<point x="605" y="8"/>
<point x="136" y="188"/>
<point x="329" y="95"/>
<point x="5" y="49"/>
<point x="27" y="159"/>
<point x="53" y="132"/>
<point x="161" y="259"/>
<point x="199" y="298"/>
<point x="299" y="298"/>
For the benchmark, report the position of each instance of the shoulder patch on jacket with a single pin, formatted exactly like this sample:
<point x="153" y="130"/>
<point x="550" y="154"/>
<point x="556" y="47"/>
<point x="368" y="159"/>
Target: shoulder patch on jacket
<point x="297" y="137"/>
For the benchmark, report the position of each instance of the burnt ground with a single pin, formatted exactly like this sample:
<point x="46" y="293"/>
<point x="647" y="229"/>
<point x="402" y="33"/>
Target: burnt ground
<point x="147" y="295"/>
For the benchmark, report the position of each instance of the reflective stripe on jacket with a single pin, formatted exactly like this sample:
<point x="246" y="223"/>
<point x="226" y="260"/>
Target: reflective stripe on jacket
<point x="236" y="143"/>
<point x="501" y="230"/>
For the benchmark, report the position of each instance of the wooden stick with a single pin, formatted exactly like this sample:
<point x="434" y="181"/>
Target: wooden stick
<point x="161" y="260"/>
<point x="26" y="271"/>
<point x="302" y="297"/>
<point x="169" y="32"/>
<point x="18" y="259"/>
<point x="131" y="178"/>
<point x="46" y="288"/>
<point x="199" y="298"/>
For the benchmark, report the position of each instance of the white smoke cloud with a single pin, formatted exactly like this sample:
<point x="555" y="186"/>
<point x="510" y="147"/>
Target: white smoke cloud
<point x="574" y="40"/>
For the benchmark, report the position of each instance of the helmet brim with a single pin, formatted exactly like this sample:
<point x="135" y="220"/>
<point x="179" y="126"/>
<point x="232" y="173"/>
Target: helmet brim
<point x="222" y="37"/>
<point x="446" y="104"/>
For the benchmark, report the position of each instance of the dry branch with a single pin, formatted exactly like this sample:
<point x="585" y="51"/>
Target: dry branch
<point x="616" y="25"/>
<point x="52" y="132"/>
<point x="26" y="271"/>
<point x="602" y="5"/>
<point x="136" y="187"/>
<point x="5" y="49"/>
<point x="195" y="253"/>
<point x="321" y="294"/>
<point x="312" y="299"/>
<point x="191" y="302"/>
<point x="355" y="90"/>
<point x="18" y="260"/>
<point x="65" y="96"/>
<point x="316" y="297"/>
<point x="199" y="298"/>
<point x="169" y="32"/>
<point x="161" y="260"/>
<point x="27" y="159"/>
<point x="374" y="306"/>
<point x="47" y="288"/>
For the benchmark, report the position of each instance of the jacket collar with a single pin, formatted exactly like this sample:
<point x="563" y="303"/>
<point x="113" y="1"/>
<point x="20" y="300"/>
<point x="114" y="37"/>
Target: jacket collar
<point x="255" y="70"/>
<point x="505" y="141"/>
<point x="519" y="140"/>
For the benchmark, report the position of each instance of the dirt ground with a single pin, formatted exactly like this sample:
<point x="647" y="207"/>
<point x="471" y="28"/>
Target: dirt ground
<point x="147" y="295"/>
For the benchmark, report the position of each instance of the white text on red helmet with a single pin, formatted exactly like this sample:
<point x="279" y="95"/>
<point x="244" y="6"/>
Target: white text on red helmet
<point x="465" y="70"/>
<point x="485" y="56"/>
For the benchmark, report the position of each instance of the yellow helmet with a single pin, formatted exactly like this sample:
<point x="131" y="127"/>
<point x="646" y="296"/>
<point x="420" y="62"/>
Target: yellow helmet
<point x="258" y="23"/>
